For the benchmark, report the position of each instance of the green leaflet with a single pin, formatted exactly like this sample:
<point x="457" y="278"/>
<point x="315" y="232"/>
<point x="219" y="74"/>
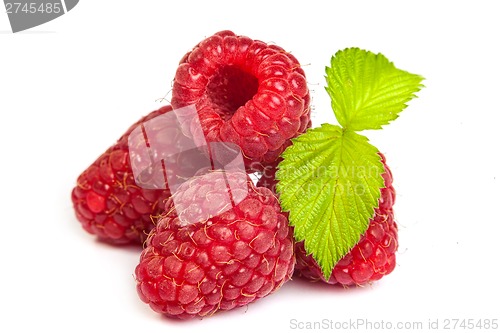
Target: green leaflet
<point x="368" y="91"/>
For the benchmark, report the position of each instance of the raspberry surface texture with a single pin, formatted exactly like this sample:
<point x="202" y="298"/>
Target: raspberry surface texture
<point x="222" y="243"/>
<point x="246" y="92"/>
<point x="107" y="201"/>
<point x="373" y="257"/>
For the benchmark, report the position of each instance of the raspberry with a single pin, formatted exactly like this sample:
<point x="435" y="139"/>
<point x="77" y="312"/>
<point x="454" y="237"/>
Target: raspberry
<point x="246" y="92"/>
<point x="373" y="256"/>
<point x="106" y="199"/>
<point x="221" y="244"/>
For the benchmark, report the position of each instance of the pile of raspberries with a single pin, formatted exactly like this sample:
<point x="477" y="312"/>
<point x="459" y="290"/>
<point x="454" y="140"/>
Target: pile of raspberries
<point x="221" y="240"/>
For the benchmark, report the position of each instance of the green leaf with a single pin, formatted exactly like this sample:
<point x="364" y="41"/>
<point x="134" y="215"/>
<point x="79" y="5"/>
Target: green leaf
<point x="367" y="90"/>
<point x="329" y="181"/>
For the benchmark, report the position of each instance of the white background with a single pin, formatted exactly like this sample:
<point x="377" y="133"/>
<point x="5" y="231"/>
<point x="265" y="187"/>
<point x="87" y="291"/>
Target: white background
<point x="69" y="88"/>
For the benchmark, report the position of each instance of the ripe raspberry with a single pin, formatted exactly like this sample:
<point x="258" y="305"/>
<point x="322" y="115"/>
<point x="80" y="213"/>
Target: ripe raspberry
<point x="198" y="261"/>
<point x="246" y="92"/>
<point x="106" y="199"/>
<point x="375" y="254"/>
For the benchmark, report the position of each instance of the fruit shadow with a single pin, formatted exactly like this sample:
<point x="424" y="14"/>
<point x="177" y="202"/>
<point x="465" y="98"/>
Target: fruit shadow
<point x="320" y="287"/>
<point x="237" y="313"/>
<point x="133" y="248"/>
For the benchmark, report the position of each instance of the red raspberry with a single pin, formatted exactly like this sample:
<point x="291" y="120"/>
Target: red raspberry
<point x="106" y="199"/>
<point x="375" y="254"/>
<point x="246" y="92"/>
<point x="224" y="244"/>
